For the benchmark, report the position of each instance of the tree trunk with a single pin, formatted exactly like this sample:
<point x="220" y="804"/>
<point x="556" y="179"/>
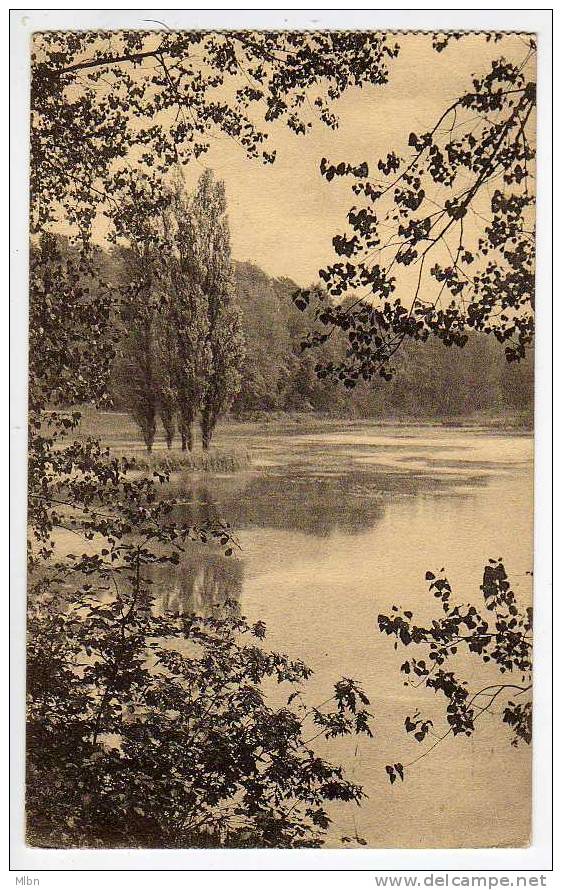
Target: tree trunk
<point x="186" y="437"/>
<point x="207" y="426"/>
<point x="168" y="422"/>
<point x="148" y="436"/>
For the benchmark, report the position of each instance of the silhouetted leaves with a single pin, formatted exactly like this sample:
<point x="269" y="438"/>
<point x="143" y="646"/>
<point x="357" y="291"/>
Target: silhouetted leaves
<point x="152" y="729"/>
<point x="475" y="165"/>
<point x="501" y="635"/>
<point x="395" y="771"/>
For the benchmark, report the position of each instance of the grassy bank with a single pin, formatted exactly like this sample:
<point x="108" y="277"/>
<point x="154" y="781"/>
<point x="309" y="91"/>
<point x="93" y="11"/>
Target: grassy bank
<point x="231" y="450"/>
<point x="505" y="419"/>
<point x="213" y="461"/>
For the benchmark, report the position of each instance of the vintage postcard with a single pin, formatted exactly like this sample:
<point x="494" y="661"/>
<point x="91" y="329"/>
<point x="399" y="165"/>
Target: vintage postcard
<point x="280" y="452"/>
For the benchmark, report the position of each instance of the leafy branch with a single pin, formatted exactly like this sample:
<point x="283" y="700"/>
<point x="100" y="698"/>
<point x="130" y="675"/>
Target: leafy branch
<point x="499" y="636"/>
<point x="483" y="276"/>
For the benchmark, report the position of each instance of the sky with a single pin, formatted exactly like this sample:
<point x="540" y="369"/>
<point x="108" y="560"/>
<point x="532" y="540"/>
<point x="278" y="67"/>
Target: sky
<point x="283" y="216"/>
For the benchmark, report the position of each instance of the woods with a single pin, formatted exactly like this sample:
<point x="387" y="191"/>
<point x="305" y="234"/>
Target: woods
<point x="274" y="374"/>
<point x="170" y="369"/>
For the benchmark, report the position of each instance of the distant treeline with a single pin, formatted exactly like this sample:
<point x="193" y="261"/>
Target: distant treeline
<point x="431" y="380"/>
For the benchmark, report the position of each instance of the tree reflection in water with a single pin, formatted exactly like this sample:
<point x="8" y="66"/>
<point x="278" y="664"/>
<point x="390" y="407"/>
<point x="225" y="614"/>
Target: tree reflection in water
<point x="202" y="582"/>
<point x="340" y="499"/>
<point x="316" y="504"/>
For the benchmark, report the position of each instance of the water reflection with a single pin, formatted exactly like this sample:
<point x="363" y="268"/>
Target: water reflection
<point x="315" y="504"/>
<point x="307" y="498"/>
<point x="318" y="498"/>
<point x="201" y="582"/>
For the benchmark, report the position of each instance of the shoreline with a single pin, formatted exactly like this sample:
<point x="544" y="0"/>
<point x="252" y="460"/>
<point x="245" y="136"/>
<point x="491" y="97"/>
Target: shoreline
<point x="117" y="429"/>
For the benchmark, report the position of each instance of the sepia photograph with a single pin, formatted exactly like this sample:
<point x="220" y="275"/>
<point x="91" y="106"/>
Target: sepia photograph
<point x="280" y="453"/>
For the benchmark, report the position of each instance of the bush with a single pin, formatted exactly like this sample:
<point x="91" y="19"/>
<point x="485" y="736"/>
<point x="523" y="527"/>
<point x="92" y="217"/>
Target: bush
<point x="153" y="730"/>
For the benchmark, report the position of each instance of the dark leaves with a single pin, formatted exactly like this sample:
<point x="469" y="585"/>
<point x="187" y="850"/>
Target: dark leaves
<point x="394" y="771"/>
<point x="182" y="697"/>
<point x="498" y="635"/>
<point x="329" y="171"/>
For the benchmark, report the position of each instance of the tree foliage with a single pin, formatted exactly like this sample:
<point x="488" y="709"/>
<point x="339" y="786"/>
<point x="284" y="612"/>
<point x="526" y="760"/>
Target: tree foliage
<point x="210" y="271"/>
<point x="103" y="104"/>
<point x="499" y="636"/>
<point x="183" y="349"/>
<point x="150" y="729"/>
<point x="431" y="381"/>
<point x="99" y="98"/>
<point x="442" y="241"/>
<point x="189" y="354"/>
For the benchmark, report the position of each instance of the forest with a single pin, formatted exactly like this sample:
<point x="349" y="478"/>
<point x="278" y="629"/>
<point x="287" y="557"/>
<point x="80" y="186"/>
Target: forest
<point x="275" y="374"/>
<point x="431" y="382"/>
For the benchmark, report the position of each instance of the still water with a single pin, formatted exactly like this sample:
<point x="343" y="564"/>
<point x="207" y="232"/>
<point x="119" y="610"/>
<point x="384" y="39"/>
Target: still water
<point x="335" y="526"/>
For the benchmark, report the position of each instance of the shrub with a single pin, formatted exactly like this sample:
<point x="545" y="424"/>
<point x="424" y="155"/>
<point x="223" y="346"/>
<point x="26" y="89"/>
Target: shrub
<point x="153" y="730"/>
<point x="212" y="461"/>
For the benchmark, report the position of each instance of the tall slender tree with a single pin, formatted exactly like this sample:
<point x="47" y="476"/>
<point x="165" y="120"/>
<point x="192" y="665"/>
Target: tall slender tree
<point x="140" y="369"/>
<point x="214" y="267"/>
<point x="227" y="353"/>
<point x="166" y="373"/>
<point x="208" y="336"/>
<point x="143" y="248"/>
<point x="187" y="311"/>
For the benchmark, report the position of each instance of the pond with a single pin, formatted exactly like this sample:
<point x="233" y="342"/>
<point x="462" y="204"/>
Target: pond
<point x="336" y="524"/>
